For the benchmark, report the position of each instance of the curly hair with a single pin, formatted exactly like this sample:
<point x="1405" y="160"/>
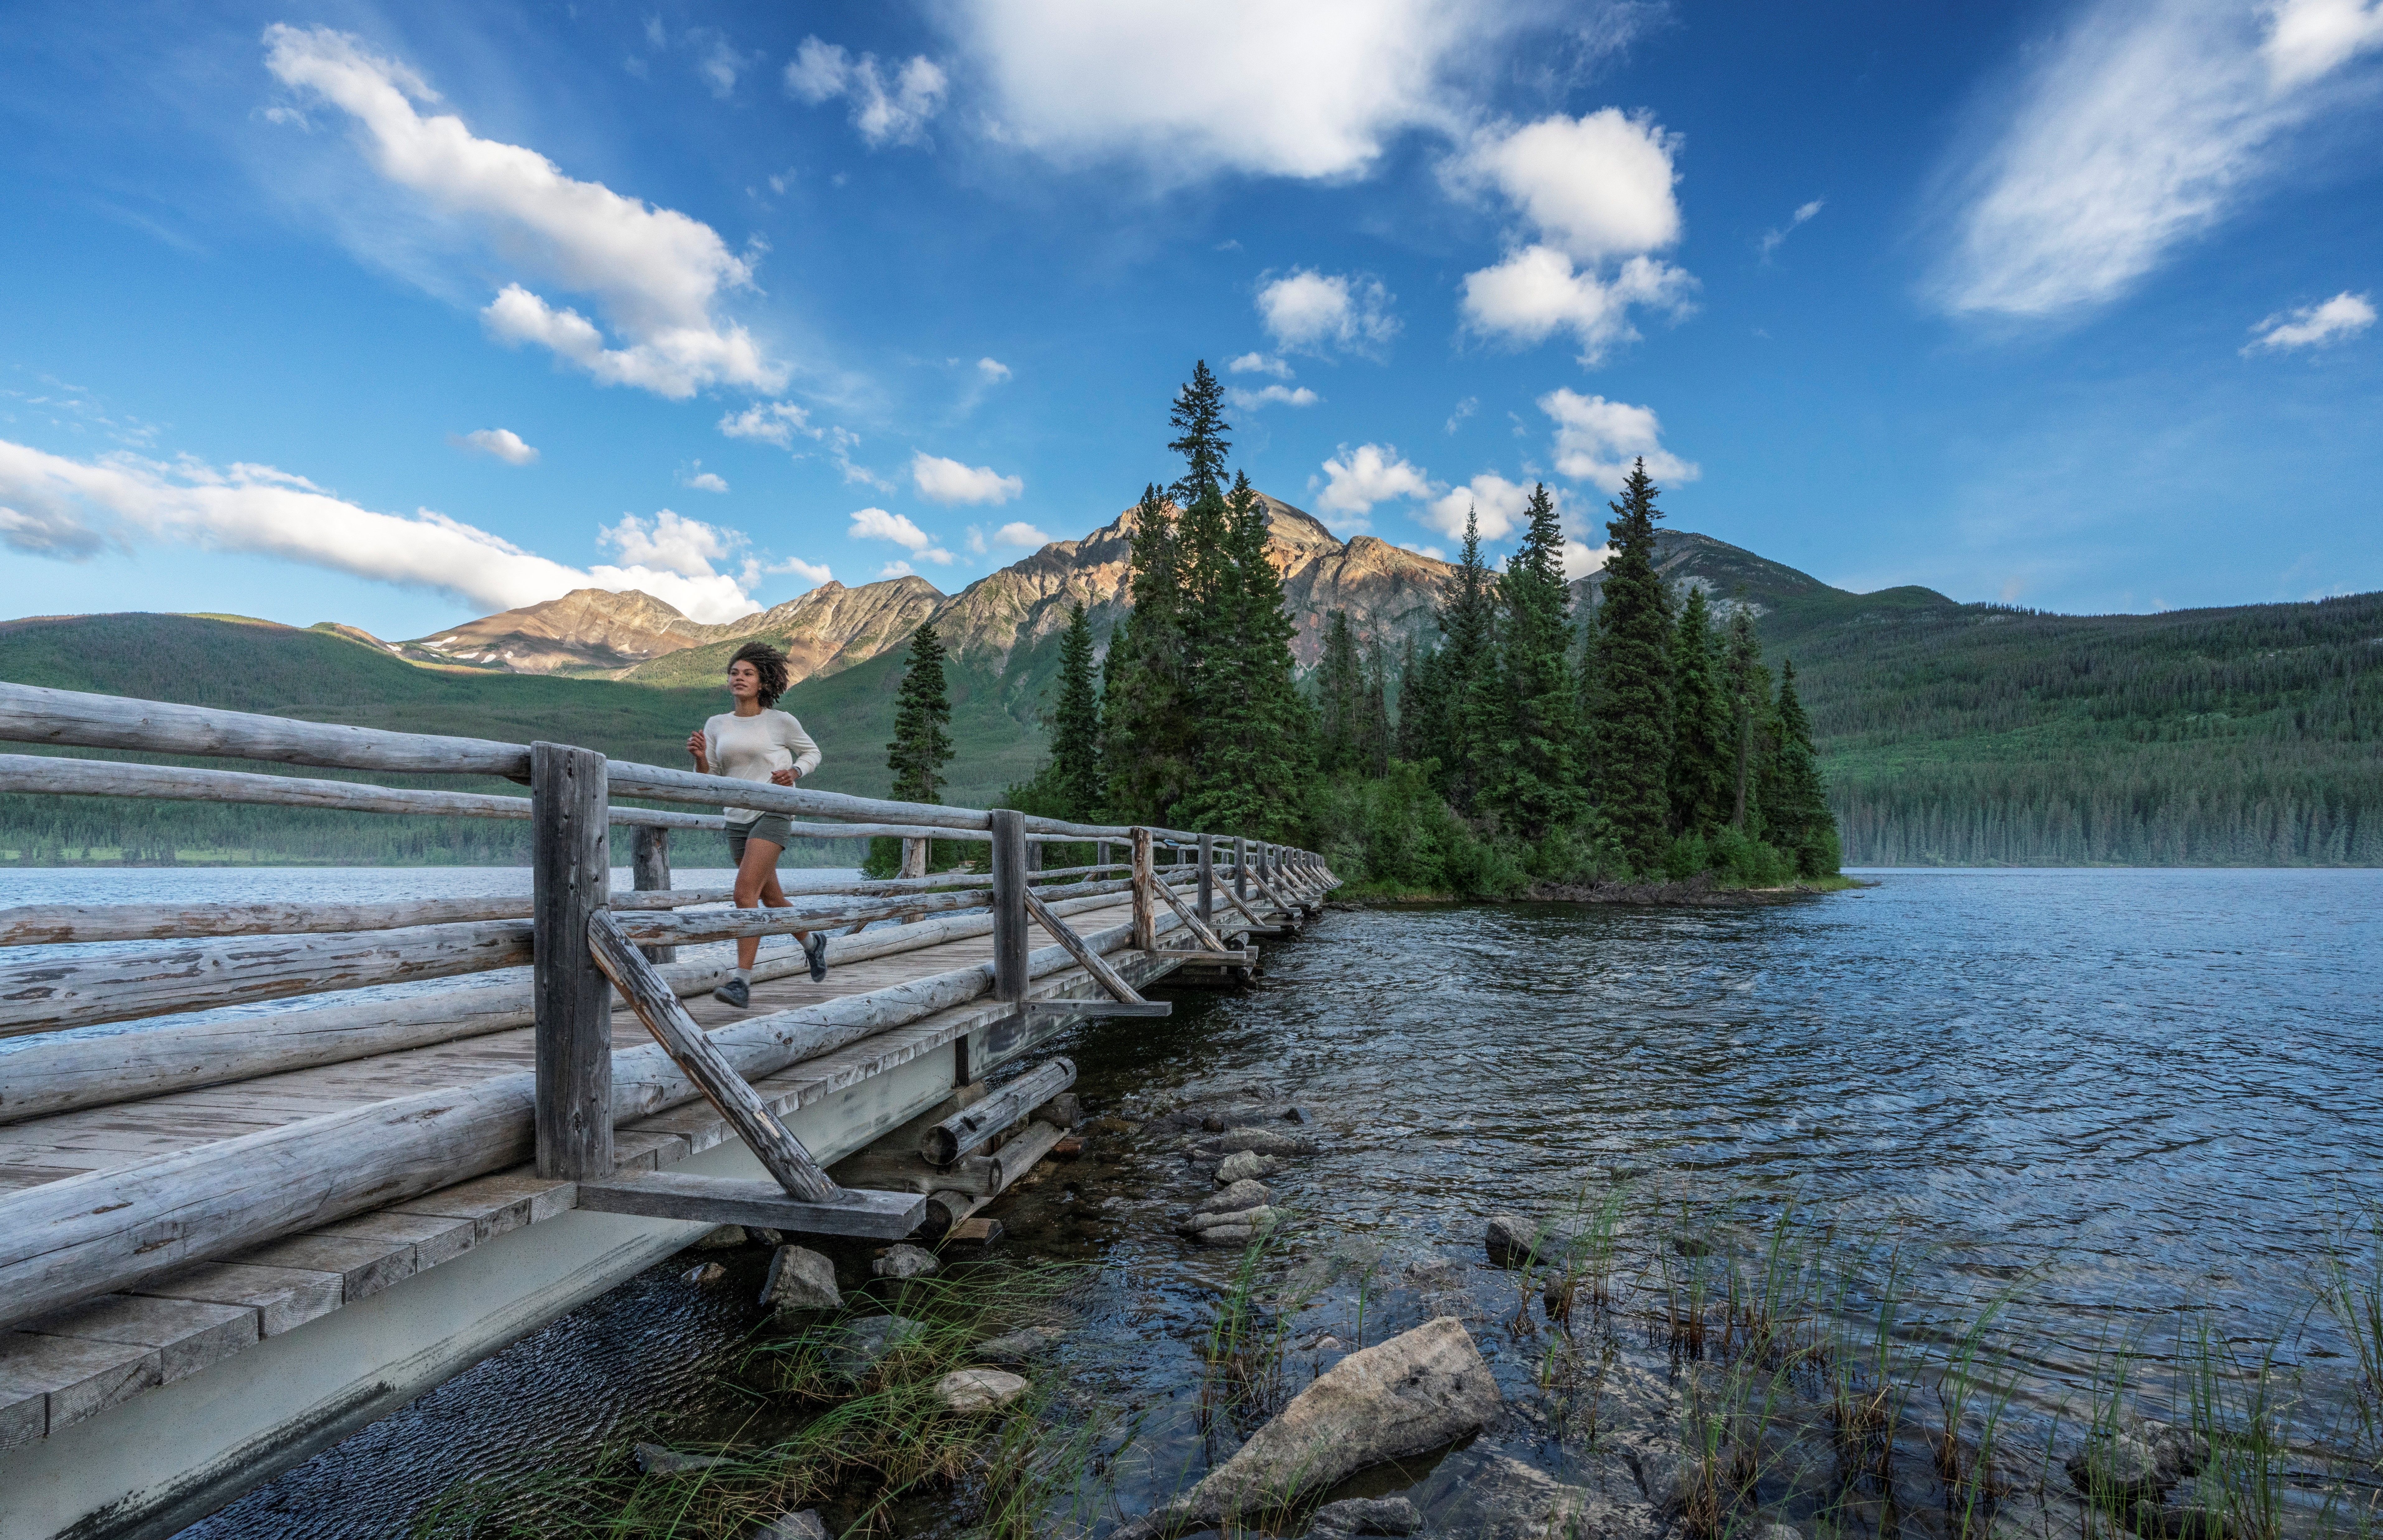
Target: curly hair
<point x="769" y="663"/>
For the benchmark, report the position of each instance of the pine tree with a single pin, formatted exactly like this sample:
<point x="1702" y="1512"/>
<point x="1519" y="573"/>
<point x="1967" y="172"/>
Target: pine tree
<point x="1257" y="738"/>
<point x="1198" y="415"/>
<point x="1460" y="730"/>
<point x="1535" y="787"/>
<point x="1634" y="635"/>
<point x="1375" y="737"/>
<point x="1340" y="698"/>
<point x="1747" y="697"/>
<point x="1419" y="707"/>
<point x="1075" y="773"/>
<point x="1795" y="806"/>
<point x="1703" y="747"/>
<point x="1144" y="689"/>
<point x="922" y="714"/>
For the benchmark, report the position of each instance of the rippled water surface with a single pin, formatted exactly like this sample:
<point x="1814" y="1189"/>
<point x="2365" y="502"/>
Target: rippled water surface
<point x="2156" y="1089"/>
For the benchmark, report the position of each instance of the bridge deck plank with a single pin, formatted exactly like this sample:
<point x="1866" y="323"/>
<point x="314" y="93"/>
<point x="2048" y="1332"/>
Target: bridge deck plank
<point x="50" y="1381"/>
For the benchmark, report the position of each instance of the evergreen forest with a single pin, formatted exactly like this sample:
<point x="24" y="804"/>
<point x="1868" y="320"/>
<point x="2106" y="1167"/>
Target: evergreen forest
<point x="1522" y="744"/>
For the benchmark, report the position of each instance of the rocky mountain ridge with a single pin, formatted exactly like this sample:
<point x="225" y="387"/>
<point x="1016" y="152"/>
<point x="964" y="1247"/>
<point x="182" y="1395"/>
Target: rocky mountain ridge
<point x="1005" y="621"/>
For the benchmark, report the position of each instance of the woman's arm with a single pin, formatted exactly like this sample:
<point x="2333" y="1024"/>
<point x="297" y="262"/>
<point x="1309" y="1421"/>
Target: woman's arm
<point x="698" y="748"/>
<point x="798" y="743"/>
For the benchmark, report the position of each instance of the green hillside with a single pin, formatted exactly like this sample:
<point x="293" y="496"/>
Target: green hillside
<point x="320" y="675"/>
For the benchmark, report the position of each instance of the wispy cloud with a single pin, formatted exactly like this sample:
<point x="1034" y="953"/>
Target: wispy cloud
<point x="890" y="104"/>
<point x="948" y="481"/>
<point x="2145" y="125"/>
<point x="1272" y="395"/>
<point x="876" y="524"/>
<point x="74" y="509"/>
<point x="2336" y="320"/>
<point x="498" y="444"/>
<point x="656" y="274"/>
<point x="1772" y="240"/>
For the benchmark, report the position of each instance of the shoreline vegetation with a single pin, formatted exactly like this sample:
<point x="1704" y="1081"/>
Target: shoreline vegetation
<point x="1667" y="1368"/>
<point x="1639" y="742"/>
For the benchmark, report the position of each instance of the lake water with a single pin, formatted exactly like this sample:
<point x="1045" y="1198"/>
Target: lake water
<point x="2140" y="1093"/>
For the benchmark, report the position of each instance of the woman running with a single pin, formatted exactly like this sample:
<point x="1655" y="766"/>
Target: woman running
<point x="757" y="742"/>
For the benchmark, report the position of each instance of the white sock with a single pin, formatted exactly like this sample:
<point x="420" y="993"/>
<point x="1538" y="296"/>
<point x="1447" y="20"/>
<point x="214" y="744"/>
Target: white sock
<point x="742" y="975"/>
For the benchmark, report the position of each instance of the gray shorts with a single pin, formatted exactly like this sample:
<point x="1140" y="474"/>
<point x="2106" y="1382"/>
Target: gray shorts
<point x="771" y="827"/>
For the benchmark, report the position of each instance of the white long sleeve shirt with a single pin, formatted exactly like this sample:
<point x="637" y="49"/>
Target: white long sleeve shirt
<point x="754" y="748"/>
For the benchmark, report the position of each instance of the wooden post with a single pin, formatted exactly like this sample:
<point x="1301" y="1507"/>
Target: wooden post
<point x="652" y="874"/>
<point x="1009" y="940"/>
<point x="1035" y="856"/>
<point x="914" y="858"/>
<point x="1241" y="869"/>
<point x="570" y="868"/>
<point x="1100" y="852"/>
<point x="1145" y="910"/>
<point x="1207" y="904"/>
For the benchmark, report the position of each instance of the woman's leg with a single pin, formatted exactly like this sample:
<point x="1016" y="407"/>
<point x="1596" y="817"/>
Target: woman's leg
<point x="756" y="887"/>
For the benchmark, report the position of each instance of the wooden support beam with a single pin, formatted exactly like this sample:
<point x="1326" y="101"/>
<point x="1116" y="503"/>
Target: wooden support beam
<point x="972" y="1125"/>
<point x="650" y="872"/>
<point x="571" y="874"/>
<point x="1207" y="904"/>
<point x="1145" y="914"/>
<point x="1206" y="935"/>
<point x="1098" y="1007"/>
<point x="779" y="1152"/>
<point x="1089" y="960"/>
<point x="1010" y="917"/>
<point x="733" y="1200"/>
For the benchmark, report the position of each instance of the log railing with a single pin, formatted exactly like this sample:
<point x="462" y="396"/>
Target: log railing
<point x="552" y="961"/>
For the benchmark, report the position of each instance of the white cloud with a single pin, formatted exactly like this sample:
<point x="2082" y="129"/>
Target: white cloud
<point x="703" y="480"/>
<point x="1595" y="186"/>
<point x="655" y="274"/>
<point x="1022" y="534"/>
<point x="876" y="524"/>
<point x="1536" y="292"/>
<point x="1314" y="90"/>
<point x="500" y="443"/>
<point x="720" y="63"/>
<point x="52" y="506"/>
<point x="1357" y="479"/>
<point x="1499" y="502"/>
<point x="948" y="481"/>
<point x="1593" y="189"/>
<point x="771" y="423"/>
<point x="1305" y="310"/>
<point x="2336" y="320"/>
<point x="885" y="111"/>
<point x="895" y="569"/>
<point x="1465" y="409"/>
<point x="1773" y="238"/>
<point x="993" y="368"/>
<point x="1250" y="401"/>
<point x="1259" y="363"/>
<point x="670" y="543"/>
<point x="1598" y="439"/>
<point x="816" y="572"/>
<point x="2144" y="126"/>
<point x="1580" y="560"/>
<point x="1433" y="551"/>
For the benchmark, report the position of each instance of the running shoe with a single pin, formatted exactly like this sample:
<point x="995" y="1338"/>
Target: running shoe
<point x="815" y="948"/>
<point x="734" y="993"/>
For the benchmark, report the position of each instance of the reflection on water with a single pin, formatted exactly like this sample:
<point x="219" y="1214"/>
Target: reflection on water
<point x="2155" y="1088"/>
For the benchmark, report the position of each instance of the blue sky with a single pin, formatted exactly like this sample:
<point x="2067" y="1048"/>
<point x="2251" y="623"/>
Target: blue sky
<point x="401" y="316"/>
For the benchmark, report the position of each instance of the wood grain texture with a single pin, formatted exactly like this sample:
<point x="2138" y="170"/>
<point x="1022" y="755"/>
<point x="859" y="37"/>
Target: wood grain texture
<point x="73" y="719"/>
<point x="656" y="784"/>
<point x="1145" y="903"/>
<point x="571" y="878"/>
<point x="73" y="924"/>
<point x="1086" y="958"/>
<point x="973" y="1126"/>
<point x="779" y="1152"/>
<point x="732" y="1201"/>
<point x="52" y="993"/>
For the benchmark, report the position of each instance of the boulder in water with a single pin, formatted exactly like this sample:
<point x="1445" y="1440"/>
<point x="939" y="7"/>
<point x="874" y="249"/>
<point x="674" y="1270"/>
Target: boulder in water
<point x="1366" y="1516"/>
<point x="1261" y="1141"/>
<point x="1419" y="1390"/>
<point x="1243" y="1194"/>
<point x="1245" y="1166"/>
<point x="906" y="1262"/>
<point x="973" y="1391"/>
<point x="1512" y="1240"/>
<point x="800" y="1279"/>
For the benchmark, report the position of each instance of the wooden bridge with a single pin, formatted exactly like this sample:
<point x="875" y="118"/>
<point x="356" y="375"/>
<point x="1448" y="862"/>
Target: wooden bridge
<point x="228" y="1241"/>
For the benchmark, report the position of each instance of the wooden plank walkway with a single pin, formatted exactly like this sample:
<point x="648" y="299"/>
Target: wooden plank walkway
<point x="59" y="1369"/>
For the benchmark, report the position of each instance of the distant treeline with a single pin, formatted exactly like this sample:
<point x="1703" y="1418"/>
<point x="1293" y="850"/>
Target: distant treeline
<point x="2224" y="737"/>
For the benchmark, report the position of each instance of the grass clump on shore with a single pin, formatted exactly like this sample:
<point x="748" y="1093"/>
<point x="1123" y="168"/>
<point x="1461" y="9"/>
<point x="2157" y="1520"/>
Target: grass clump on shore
<point x="841" y="1412"/>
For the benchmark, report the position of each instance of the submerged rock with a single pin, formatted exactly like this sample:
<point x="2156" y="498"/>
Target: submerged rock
<point x="805" y="1525"/>
<point x="1243" y="1194"/>
<point x="707" y="1274"/>
<point x="2136" y="1463"/>
<point x="1261" y="1141"/>
<point x="1485" y="1494"/>
<point x="800" y="1279"/>
<point x="906" y="1262"/>
<point x="974" y="1390"/>
<point x="855" y="1350"/>
<point x="1243" y="1166"/>
<point x="1512" y="1241"/>
<point x="1366" y="1516"/>
<point x="1224" y="1235"/>
<point x="1419" y="1390"/>
<point x="721" y="1238"/>
<point x="1259" y="1218"/>
<point x="1018" y="1346"/>
<point x="656" y="1460"/>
